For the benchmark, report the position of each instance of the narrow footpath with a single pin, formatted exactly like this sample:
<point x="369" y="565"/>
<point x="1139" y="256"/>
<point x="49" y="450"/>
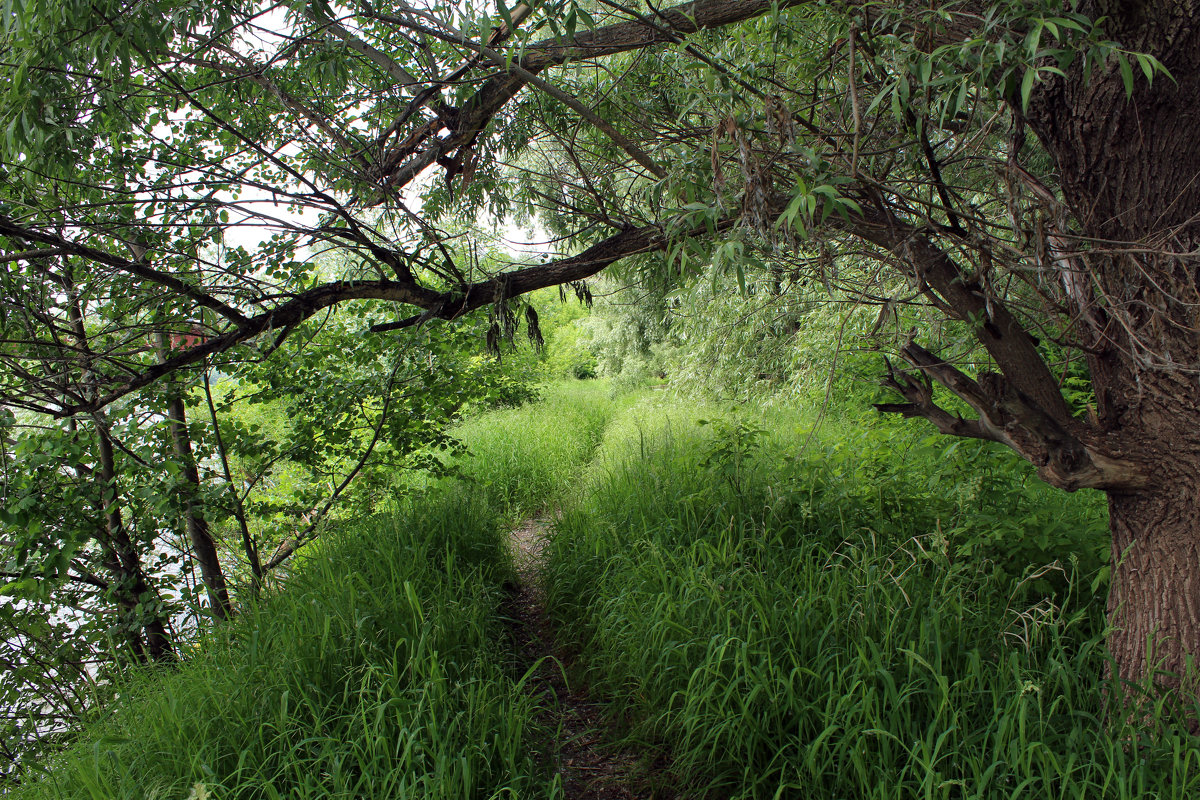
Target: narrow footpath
<point x="588" y="767"/>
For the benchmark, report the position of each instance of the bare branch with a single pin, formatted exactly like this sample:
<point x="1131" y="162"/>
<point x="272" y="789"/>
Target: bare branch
<point x="998" y="330"/>
<point x="918" y="390"/>
<point x="1067" y="459"/>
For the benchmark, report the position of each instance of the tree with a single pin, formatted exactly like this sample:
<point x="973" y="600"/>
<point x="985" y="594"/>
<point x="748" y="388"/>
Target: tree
<point x="1028" y="169"/>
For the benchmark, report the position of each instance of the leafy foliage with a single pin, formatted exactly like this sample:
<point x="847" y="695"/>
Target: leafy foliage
<point x="173" y="176"/>
<point x="334" y="429"/>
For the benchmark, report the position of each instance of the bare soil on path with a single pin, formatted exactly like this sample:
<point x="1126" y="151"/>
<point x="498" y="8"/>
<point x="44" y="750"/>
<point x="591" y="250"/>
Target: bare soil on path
<point x="588" y="765"/>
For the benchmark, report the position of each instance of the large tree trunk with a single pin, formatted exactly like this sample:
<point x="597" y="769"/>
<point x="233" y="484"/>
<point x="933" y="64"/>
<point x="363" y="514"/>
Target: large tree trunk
<point x="1154" y="599"/>
<point x="1130" y="172"/>
<point x="1154" y="596"/>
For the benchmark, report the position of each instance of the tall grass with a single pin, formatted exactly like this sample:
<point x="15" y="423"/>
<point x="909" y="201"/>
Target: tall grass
<point x="526" y="459"/>
<point x="376" y="673"/>
<point x="872" y="616"/>
<point x="383" y="668"/>
<point x="839" y="625"/>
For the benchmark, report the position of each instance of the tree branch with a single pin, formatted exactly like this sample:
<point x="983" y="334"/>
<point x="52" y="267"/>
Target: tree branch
<point x="404" y="165"/>
<point x="997" y="329"/>
<point x="917" y="389"/>
<point x="11" y="228"/>
<point x="376" y="56"/>
<point x="511" y="284"/>
<point x="289" y="547"/>
<point x="1006" y="415"/>
<point x="579" y="108"/>
<point x="285" y="315"/>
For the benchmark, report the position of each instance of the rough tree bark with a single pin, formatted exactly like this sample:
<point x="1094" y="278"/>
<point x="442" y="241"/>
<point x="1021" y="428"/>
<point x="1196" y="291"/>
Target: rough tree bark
<point x="1130" y="172"/>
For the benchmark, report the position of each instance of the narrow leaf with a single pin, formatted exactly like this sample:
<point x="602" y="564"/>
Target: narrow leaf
<point x="1126" y="74"/>
<point x="1027" y="87"/>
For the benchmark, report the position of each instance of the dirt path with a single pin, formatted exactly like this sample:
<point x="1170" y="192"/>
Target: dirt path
<point x="588" y="769"/>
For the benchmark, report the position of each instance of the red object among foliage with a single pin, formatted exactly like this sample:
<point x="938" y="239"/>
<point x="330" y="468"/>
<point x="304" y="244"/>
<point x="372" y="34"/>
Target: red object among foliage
<point x="181" y="341"/>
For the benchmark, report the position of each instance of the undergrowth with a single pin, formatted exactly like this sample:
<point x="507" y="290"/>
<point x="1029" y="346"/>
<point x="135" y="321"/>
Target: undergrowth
<point x="869" y="617"/>
<point x="383" y="669"/>
<point x="376" y="673"/>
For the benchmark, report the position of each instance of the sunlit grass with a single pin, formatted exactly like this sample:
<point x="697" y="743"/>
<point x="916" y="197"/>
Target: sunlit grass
<point x="524" y="459"/>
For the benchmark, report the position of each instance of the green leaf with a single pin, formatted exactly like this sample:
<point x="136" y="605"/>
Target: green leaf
<point x="1027" y="87"/>
<point x="1144" y="61"/>
<point x="506" y="15"/>
<point x="1126" y="74"/>
<point x="569" y="25"/>
<point x="1033" y="40"/>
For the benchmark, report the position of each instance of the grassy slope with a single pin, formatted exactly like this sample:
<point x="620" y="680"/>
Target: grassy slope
<point x="382" y="671"/>
<point x="863" y="621"/>
<point x="375" y="674"/>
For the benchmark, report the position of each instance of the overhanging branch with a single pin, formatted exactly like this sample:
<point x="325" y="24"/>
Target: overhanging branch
<point x="999" y="331"/>
<point x="282" y="317"/>
<point x="402" y="166"/>
<point x="511" y="284"/>
<point x="11" y="228"/>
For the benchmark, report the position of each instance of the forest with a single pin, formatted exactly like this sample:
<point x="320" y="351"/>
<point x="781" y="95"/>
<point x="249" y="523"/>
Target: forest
<point x="585" y="399"/>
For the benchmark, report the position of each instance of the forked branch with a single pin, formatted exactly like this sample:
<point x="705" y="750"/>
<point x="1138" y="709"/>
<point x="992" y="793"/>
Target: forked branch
<point x="1065" y="458"/>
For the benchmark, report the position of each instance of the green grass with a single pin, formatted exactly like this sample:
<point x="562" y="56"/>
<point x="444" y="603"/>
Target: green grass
<point x="526" y="459"/>
<point x="843" y="623"/>
<point x="863" y="613"/>
<point x="378" y="672"/>
<point x="383" y="669"/>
